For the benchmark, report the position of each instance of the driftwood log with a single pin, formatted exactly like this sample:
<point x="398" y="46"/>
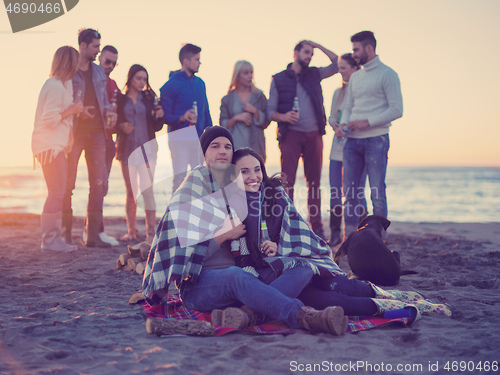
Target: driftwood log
<point x="162" y="326"/>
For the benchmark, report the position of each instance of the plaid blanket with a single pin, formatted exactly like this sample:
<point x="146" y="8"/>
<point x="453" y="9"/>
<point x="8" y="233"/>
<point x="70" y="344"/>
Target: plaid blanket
<point x="298" y="244"/>
<point x="173" y="309"/>
<point x="196" y="211"/>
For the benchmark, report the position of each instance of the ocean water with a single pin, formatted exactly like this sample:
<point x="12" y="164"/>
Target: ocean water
<point x="415" y="194"/>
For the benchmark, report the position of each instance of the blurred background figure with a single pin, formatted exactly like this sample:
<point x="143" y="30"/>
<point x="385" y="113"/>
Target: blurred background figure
<point x="52" y="140"/>
<point x="139" y="117"/>
<point x="347" y="66"/>
<point x="243" y="110"/>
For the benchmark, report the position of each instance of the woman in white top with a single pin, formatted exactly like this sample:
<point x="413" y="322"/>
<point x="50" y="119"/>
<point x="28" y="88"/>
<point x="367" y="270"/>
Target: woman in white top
<point x="243" y="110"/>
<point x="52" y="140"/>
<point x="347" y="66"/>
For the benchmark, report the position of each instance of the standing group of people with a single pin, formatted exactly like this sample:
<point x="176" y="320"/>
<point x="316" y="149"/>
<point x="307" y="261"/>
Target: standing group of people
<point x="361" y="114"/>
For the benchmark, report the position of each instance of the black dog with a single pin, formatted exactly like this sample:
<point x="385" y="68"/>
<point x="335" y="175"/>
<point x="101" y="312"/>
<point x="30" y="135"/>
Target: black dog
<point x="368" y="256"/>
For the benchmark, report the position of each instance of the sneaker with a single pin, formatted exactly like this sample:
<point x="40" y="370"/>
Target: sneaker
<point x="108" y="239"/>
<point x="330" y="320"/>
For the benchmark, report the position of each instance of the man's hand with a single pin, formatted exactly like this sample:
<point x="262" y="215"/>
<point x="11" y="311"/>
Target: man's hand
<point x="87" y="113"/>
<point x="358" y="124"/>
<point x="312" y="44"/>
<point x="291" y="116"/>
<point x="189" y="116"/>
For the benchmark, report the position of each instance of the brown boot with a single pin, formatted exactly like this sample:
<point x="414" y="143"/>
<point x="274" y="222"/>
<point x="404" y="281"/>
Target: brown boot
<point x="330" y="320"/>
<point x="234" y="317"/>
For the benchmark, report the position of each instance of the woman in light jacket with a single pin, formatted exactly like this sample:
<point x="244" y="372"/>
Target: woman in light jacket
<point x="243" y="110"/>
<point x="52" y="140"/>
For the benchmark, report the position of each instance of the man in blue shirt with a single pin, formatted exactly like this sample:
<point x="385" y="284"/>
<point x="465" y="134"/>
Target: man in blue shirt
<point x="179" y="95"/>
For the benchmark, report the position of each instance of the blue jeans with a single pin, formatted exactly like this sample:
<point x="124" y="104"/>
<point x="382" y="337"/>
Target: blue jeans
<point x="221" y="288"/>
<point x="354" y="296"/>
<point x="290" y="283"/>
<point x="95" y="155"/>
<point x="110" y="155"/>
<point x="336" y="196"/>
<point x="55" y="175"/>
<point x="369" y="154"/>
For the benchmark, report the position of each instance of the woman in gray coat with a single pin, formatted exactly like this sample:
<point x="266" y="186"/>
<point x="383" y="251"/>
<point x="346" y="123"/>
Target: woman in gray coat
<point x="243" y="110"/>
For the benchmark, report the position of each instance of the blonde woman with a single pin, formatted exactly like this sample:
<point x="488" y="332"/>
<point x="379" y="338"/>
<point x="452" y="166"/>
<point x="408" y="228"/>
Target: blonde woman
<point x="243" y="110"/>
<point x="52" y="140"/>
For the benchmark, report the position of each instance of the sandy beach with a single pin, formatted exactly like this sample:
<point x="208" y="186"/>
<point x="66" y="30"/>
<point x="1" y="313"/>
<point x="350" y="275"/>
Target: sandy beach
<point x="69" y="313"/>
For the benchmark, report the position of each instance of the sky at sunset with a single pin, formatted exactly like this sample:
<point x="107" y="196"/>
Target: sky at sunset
<point x="444" y="52"/>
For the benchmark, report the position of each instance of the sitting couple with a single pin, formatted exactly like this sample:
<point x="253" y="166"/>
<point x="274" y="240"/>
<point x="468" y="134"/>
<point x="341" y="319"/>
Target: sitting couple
<point x="200" y="234"/>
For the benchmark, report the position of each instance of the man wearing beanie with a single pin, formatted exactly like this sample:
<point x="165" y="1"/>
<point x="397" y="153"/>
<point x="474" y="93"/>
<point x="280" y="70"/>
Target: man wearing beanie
<point x="192" y="248"/>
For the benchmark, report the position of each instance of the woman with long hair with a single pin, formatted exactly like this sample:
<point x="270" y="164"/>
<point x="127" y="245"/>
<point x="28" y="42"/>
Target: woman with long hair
<point x="139" y="117"/>
<point x="243" y="110"/>
<point x="347" y="66"/>
<point x="52" y="140"/>
<point x="287" y="255"/>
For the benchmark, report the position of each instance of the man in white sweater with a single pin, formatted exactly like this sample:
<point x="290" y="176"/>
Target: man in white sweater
<point x="373" y="101"/>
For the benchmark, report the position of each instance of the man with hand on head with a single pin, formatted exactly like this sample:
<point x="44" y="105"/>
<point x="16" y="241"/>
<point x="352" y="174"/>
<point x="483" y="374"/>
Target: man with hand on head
<point x="300" y="131"/>
<point x="192" y="248"/>
<point x="373" y="101"/>
<point x="184" y="101"/>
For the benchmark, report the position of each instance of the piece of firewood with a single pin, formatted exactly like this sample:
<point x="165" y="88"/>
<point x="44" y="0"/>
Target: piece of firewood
<point x="132" y="263"/>
<point x="136" y="297"/>
<point x="162" y="326"/>
<point x="135" y="250"/>
<point x="126" y="267"/>
<point x="140" y="268"/>
<point x="119" y="264"/>
<point x="123" y="258"/>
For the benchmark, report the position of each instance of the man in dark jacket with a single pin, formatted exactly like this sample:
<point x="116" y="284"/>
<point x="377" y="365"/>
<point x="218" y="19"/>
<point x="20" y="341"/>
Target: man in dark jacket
<point x="300" y="131"/>
<point x="185" y="105"/>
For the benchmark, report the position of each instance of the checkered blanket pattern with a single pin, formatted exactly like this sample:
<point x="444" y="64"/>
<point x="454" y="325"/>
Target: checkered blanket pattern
<point x="173" y="309"/>
<point x="299" y="244"/>
<point x="196" y="211"/>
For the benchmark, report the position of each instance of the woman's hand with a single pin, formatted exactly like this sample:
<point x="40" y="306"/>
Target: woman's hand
<point x="244" y="117"/>
<point x="269" y="248"/>
<point x="73" y="109"/>
<point x="247" y="107"/>
<point x="126" y="127"/>
<point x="338" y="131"/>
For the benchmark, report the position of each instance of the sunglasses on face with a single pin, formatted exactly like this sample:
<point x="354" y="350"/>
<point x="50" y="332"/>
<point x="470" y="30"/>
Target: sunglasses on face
<point x="110" y="62"/>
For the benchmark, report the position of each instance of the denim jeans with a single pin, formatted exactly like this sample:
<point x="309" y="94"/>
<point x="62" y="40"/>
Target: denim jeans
<point x="290" y="283"/>
<point x="354" y="296"/>
<point x="221" y="288"/>
<point x="110" y="155"/>
<point x="336" y="195"/>
<point x="55" y="175"/>
<point x="94" y="145"/>
<point x="369" y="154"/>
